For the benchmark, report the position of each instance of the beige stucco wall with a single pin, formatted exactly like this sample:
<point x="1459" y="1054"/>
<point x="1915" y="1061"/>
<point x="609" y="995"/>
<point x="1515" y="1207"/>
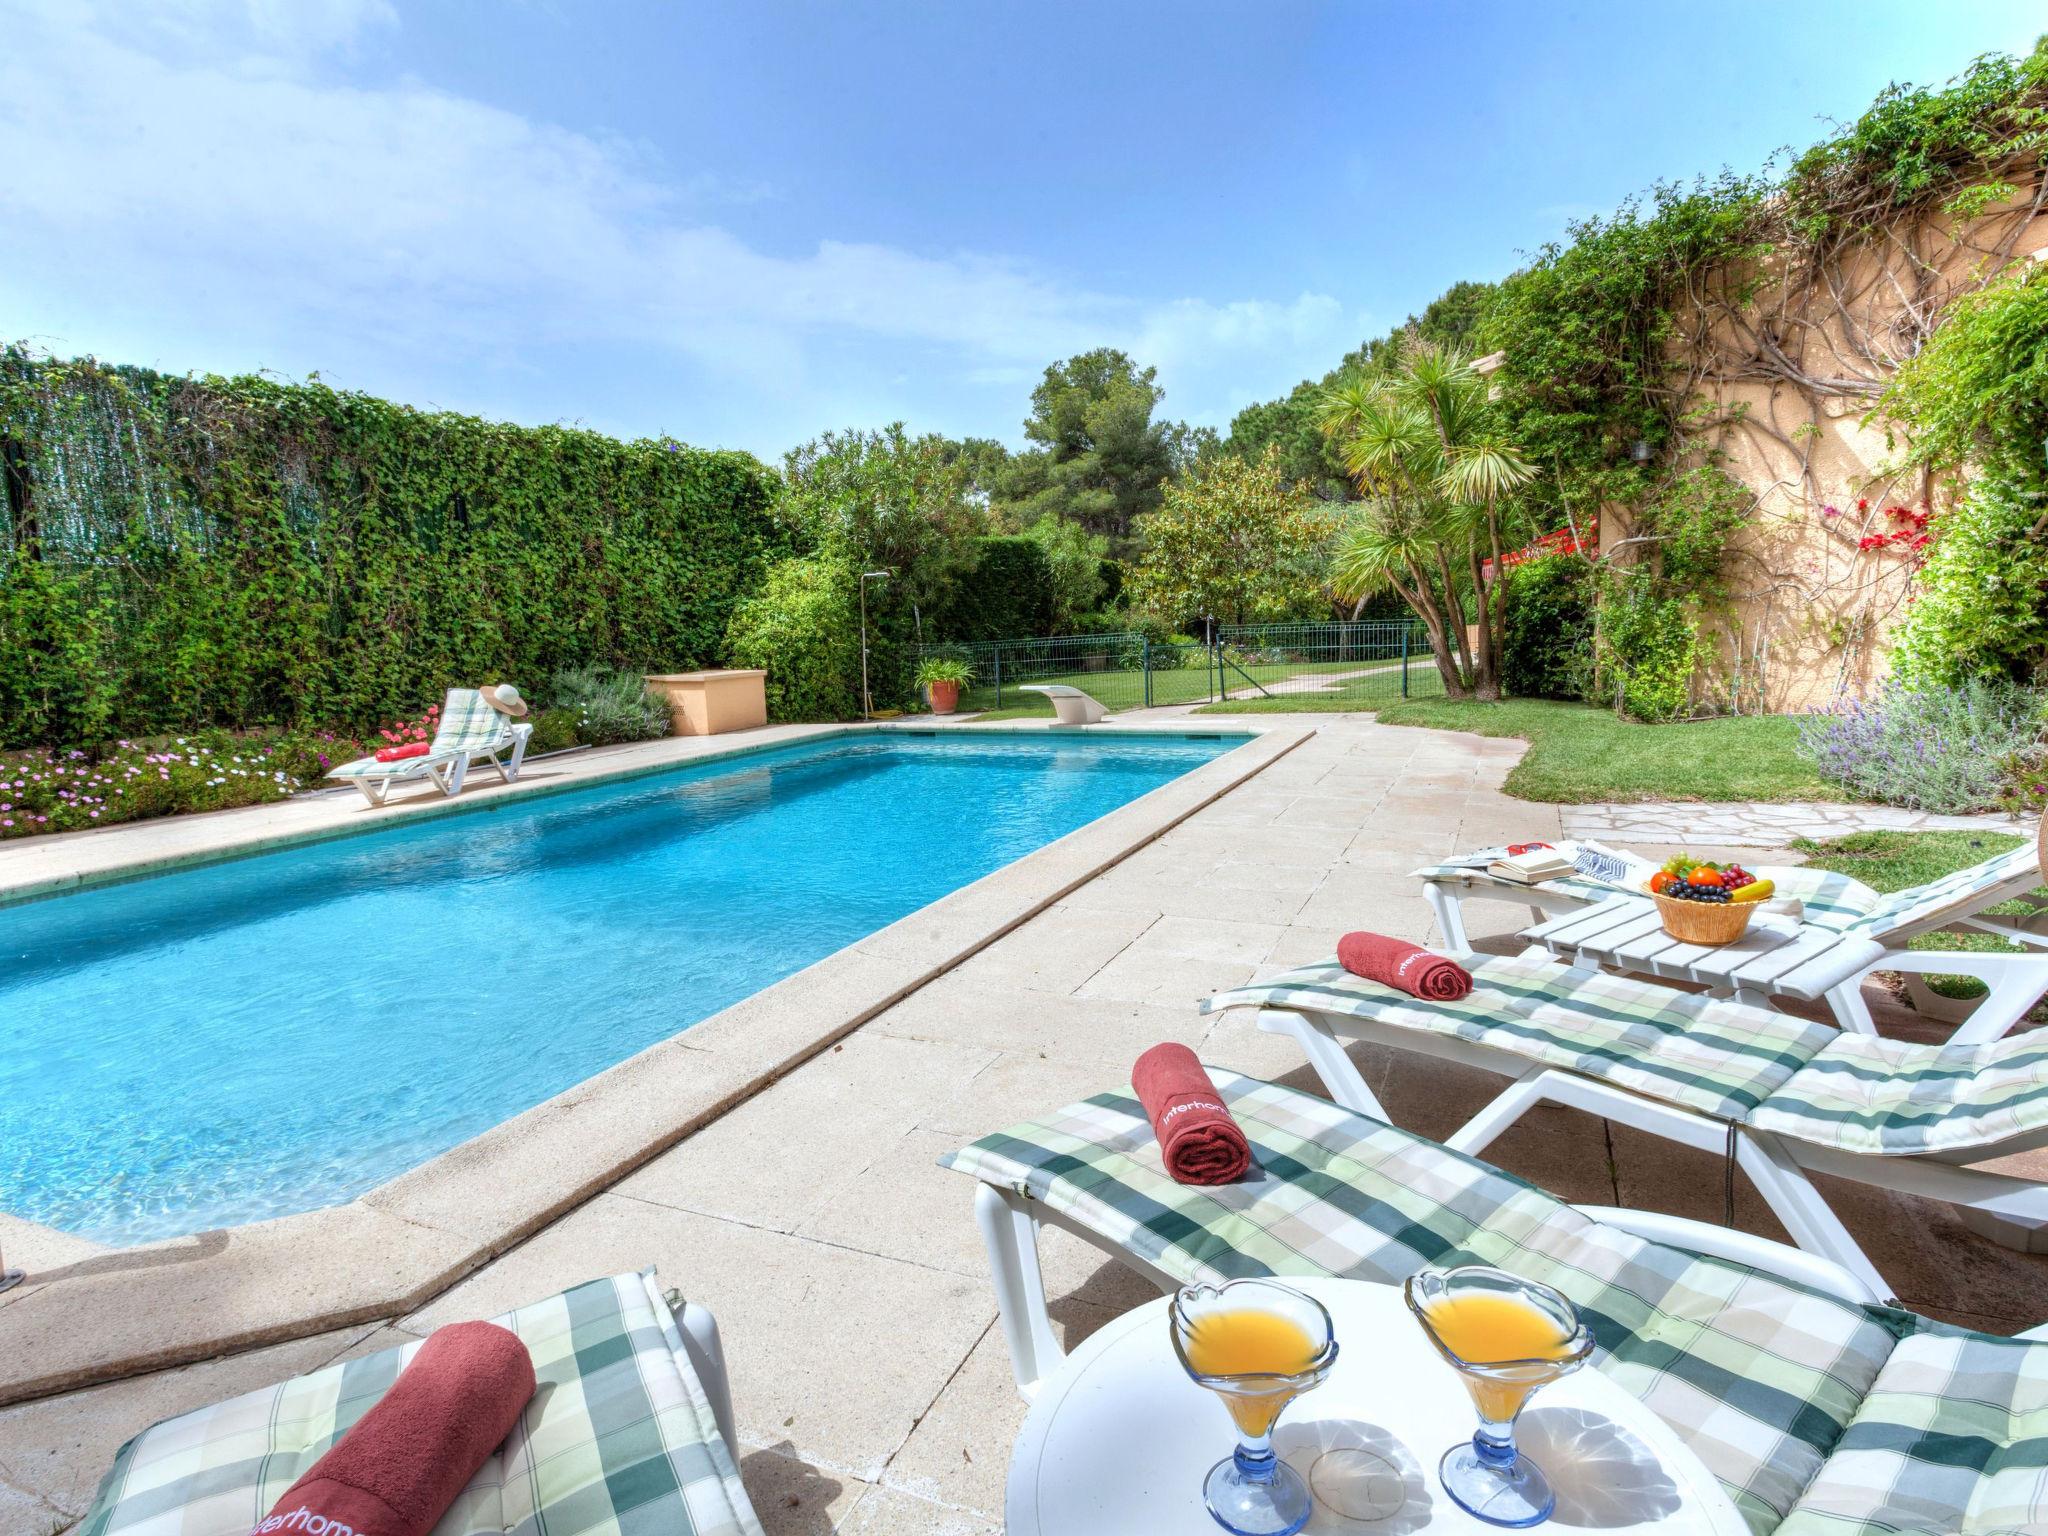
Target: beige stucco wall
<point x="1812" y="614"/>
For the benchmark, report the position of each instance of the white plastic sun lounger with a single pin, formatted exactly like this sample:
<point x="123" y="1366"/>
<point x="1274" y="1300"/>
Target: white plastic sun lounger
<point x="1786" y="1097"/>
<point x="1069" y="703"/>
<point x="470" y="729"/>
<point x="1832" y="901"/>
<point x="1815" y="1411"/>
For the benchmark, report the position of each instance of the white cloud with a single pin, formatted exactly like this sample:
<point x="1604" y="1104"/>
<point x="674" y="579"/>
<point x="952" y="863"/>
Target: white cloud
<point x="204" y="178"/>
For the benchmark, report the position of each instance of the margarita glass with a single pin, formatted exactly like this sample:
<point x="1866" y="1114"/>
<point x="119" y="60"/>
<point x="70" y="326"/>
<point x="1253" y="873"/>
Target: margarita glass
<point x="1257" y="1345"/>
<point x="1506" y="1337"/>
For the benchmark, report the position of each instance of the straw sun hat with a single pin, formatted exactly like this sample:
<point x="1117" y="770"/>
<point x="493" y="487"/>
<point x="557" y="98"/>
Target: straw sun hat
<point x="504" y="698"/>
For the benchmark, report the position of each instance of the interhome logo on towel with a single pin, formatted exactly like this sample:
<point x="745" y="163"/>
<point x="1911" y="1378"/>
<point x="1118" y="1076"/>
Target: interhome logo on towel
<point x="303" y="1519"/>
<point x="1422" y="955"/>
<point x="1181" y="1109"/>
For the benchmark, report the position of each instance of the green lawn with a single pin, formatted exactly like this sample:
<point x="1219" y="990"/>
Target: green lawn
<point x="1891" y="861"/>
<point x="1579" y="754"/>
<point x="1365" y="685"/>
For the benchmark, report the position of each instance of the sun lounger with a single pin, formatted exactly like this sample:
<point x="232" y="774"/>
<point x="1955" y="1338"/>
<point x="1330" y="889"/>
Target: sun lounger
<point x="1831" y="900"/>
<point x="1788" y="1097"/>
<point x="1818" y="1411"/>
<point x="1071" y="705"/>
<point x="630" y="1430"/>
<point x="470" y="729"/>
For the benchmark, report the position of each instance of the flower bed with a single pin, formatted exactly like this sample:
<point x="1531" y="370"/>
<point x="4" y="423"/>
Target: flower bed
<point x="71" y="789"/>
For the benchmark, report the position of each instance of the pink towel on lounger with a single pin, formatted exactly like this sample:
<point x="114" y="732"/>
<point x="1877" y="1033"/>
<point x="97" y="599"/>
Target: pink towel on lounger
<point x="404" y="1462"/>
<point x="1403" y="966"/>
<point x="1199" y="1139"/>
<point x="398" y="754"/>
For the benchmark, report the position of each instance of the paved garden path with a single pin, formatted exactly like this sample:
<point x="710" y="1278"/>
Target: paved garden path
<point x="872" y="1387"/>
<point x="1758" y="825"/>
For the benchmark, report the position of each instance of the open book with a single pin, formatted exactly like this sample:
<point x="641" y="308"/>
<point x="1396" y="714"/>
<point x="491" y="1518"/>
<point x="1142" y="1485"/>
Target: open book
<point x="1593" y="863"/>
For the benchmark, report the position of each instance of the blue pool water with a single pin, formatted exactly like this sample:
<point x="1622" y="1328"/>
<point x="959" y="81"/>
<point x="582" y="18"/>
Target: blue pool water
<point x="286" y="1031"/>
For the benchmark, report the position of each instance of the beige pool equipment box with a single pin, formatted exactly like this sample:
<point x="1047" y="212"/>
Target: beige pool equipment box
<point x="712" y="703"/>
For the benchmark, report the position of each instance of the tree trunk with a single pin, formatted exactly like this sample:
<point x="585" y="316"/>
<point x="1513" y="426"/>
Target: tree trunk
<point x="1455" y="616"/>
<point x="1485" y="675"/>
<point x="1423" y="601"/>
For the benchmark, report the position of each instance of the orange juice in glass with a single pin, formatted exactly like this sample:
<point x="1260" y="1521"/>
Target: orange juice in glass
<point x="1257" y="1345"/>
<point x="1506" y="1337"/>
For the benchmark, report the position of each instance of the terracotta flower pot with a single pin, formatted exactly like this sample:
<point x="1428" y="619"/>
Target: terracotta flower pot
<point x="945" y="697"/>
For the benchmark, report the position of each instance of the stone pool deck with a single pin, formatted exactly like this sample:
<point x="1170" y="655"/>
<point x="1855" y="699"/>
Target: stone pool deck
<point x="871" y="1385"/>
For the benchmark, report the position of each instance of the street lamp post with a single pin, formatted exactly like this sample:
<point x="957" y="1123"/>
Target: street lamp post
<point x="866" y="702"/>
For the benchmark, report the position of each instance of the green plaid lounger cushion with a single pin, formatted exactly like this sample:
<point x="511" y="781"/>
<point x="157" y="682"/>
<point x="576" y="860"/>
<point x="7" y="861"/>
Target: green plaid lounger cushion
<point x="1718" y="1057"/>
<point x="1754" y="1067"/>
<point x="1895" y="1098"/>
<point x="1952" y="1438"/>
<point x="1759" y="1376"/>
<point x="619" y="1439"/>
<point x="468" y="726"/>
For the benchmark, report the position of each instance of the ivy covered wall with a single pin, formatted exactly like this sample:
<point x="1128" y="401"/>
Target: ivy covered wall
<point x="180" y="552"/>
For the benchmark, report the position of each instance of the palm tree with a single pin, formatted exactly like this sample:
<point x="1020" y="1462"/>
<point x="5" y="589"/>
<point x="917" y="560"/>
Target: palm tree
<point x="1424" y="446"/>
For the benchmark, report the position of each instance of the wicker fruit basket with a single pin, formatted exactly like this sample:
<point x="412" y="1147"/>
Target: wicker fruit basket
<point x="1704" y="922"/>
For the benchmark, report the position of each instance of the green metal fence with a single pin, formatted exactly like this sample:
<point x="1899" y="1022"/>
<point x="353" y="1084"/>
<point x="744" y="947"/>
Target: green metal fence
<point x="1263" y="667"/>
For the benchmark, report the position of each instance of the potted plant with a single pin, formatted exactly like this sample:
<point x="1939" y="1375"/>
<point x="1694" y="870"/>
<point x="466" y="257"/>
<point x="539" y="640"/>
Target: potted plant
<point x="942" y="678"/>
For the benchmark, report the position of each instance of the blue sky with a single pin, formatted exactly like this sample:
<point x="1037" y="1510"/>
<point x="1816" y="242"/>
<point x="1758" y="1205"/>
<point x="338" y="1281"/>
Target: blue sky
<point x="744" y="223"/>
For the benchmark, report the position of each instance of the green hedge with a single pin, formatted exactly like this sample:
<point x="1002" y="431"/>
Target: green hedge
<point x="178" y="553"/>
<point x="1007" y="596"/>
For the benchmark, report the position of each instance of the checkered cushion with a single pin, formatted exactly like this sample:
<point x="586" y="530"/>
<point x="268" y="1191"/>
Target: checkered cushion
<point x="1831" y="900"/>
<point x="1895" y="1098"/>
<point x="1760" y="1377"/>
<point x="468" y="726"/>
<point x="1717" y="1057"/>
<point x="1752" y="1066"/>
<point x="1952" y="1438"/>
<point x="618" y="1440"/>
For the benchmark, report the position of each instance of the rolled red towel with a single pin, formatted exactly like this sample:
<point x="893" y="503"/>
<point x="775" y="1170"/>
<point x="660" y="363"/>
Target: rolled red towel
<point x="1200" y="1141"/>
<point x="397" y="1471"/>
<point x="410" y="749"/>
<point x="1403" y="966"/>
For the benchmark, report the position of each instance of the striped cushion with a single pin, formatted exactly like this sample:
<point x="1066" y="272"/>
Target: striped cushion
<point x="1953" y="1437"/>
<point x="1895" y="1098"/>
<point x="1920" y="908"/>
<point x="619" y="1438"/>
<point x="1711" y="1055"/>
<point x="1759" y="1376"/>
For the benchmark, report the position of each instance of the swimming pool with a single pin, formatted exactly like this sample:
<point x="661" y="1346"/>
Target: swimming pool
<point x="286" y="1031"/>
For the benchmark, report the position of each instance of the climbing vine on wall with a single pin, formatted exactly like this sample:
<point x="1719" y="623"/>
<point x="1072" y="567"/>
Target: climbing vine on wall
<point x="179" y="552"/>
<point x="1739" y="315"/>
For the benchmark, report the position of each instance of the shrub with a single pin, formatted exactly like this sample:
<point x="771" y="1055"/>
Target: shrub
<point x="1977" y="394"/>
<point x="554" y="730"/>
<point x="194" y="553"/>
<point x="1008" y="595"/>
<point x="1549" y="650"/>
<point x="805" y="630"/>
<point x="1650" y="647"/>
<point x="1949" y="748"/>
<point x="610" y="705"/>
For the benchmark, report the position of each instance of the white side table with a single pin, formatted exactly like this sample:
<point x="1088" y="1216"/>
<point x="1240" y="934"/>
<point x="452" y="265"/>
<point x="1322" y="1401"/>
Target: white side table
<point x="1776" y="955"/>
<point x="1119" y="1439"/>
